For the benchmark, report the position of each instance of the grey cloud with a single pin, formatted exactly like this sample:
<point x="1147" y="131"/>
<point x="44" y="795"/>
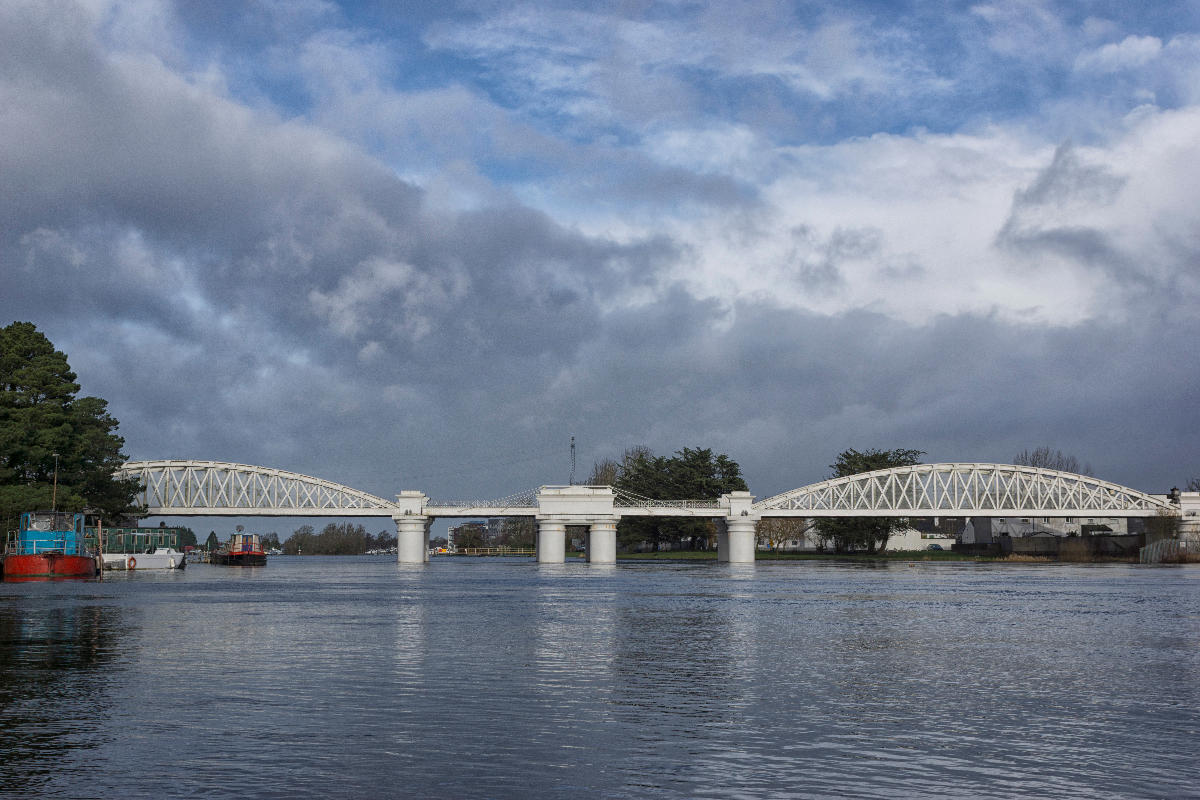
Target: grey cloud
<point x="962" y="388"/>
<point x="816" y="263"/>
<point x="1039" y="221"/>
<point x="1067" y="181"/>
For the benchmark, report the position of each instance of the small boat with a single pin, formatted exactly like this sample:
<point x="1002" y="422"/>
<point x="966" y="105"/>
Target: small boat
<point x="158" y="558"/>
<point x="142" y="548"/>
<point x="242" y="550"/>
<point x="49" y="545"/>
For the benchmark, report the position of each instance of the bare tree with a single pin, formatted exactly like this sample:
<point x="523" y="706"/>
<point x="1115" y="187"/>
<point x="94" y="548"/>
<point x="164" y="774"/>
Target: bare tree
<point x="774" y="531"/>
<point x="1045" y="458"/>
<point x="604" y="473"/>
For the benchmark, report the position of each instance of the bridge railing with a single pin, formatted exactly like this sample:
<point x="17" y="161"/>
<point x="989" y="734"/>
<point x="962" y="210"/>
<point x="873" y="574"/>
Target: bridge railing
<point x="624" y="499"/>
<point x="525" y="499"/>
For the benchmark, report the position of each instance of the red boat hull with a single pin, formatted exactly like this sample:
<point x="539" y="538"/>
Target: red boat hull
<point x="48" y="565"/>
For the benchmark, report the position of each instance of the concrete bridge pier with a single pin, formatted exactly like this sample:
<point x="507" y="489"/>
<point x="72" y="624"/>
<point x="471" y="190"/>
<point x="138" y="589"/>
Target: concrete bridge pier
<point x="602" y="542"/>
<point x="735" y="538"/>
<point x="412" y="539"/>
<point x="736" y="544"/>
<point x="551" y="541"/>
<point x="412" y="528"/>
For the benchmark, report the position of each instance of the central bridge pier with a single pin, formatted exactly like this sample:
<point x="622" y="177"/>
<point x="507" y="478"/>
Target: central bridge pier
<point x="596" y="507"/>
<point x="560" y="506"/>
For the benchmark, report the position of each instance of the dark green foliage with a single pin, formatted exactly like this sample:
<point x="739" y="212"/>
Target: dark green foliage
<point x="687" y="475"/>
<point x="40" y="416"/>
<point x="212" y="542"/>
<point x="865" y="533"/>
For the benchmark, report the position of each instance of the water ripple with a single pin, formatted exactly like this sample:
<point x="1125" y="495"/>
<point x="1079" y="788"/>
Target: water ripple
<point x="499" y="678"/>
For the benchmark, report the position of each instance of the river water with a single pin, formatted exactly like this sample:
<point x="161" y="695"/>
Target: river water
<point x="357" y="677"/>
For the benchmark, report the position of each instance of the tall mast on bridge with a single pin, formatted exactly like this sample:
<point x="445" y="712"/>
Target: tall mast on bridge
<point x="572" y="481"/>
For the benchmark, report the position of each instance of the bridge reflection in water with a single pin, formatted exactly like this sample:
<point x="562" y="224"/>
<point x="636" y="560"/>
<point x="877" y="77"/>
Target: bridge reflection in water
<point x="207" y="488"/>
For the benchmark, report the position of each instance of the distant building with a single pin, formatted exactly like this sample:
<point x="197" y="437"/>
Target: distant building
<point x="984" y="530"/>
<point x="495" y="530"/>
<point x="925" y="531"/>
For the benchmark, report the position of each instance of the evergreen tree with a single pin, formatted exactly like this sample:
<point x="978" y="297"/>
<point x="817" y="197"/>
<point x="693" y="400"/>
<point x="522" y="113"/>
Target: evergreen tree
<point x="688" y="475"/>
<point x="871" y="533"/>
<point x="49" y="436"/>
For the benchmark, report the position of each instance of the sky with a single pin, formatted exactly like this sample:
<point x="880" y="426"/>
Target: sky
<point x="422" y="245"/>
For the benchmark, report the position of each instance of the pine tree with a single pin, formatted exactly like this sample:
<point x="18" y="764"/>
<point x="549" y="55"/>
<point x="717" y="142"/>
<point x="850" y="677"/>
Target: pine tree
<point x="49" y="435"/>
<point x="688" y="475"/>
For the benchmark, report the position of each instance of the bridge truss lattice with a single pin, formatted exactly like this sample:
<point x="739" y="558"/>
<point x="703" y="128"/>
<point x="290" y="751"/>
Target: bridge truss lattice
<point x="181" y="488"/>
<point x="963" y="489"/>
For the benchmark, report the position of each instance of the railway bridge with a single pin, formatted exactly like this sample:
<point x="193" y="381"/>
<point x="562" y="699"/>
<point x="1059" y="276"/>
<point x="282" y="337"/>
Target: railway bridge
<point x="214" y="488"/>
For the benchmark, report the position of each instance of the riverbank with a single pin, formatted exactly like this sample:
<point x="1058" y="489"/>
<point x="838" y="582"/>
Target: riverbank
<point x="890" y="555"/>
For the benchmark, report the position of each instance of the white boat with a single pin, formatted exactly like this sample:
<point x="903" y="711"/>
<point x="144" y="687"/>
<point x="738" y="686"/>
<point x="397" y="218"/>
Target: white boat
<point x="142" y="548"/>
<point x="160" y="558"/>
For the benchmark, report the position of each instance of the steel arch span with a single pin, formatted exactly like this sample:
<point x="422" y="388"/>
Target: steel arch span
<point x="987" y="490"/>
<point x="202" y="488"/>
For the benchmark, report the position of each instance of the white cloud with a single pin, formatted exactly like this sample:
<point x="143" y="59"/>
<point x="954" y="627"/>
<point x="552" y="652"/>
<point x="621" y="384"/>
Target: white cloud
<point x="1026" y="28"/>
<point x="1130" y="53"/>
<point x="602" y="67"/>
<point x="934" y="208"/>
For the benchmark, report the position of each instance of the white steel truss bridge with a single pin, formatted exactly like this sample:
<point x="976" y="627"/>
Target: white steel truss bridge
<point x="203" y="488"/>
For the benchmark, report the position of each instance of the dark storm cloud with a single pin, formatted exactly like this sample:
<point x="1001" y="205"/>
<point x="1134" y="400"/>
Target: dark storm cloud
<point x="784" y="392"/>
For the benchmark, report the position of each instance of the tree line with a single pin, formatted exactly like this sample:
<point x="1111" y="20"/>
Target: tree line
<point x="336" y="539"/>
<point x="515" y="532"/>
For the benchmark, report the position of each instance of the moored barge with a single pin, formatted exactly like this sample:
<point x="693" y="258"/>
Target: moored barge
<point x="242" y="550"/>
<point x="49" y="545"/>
